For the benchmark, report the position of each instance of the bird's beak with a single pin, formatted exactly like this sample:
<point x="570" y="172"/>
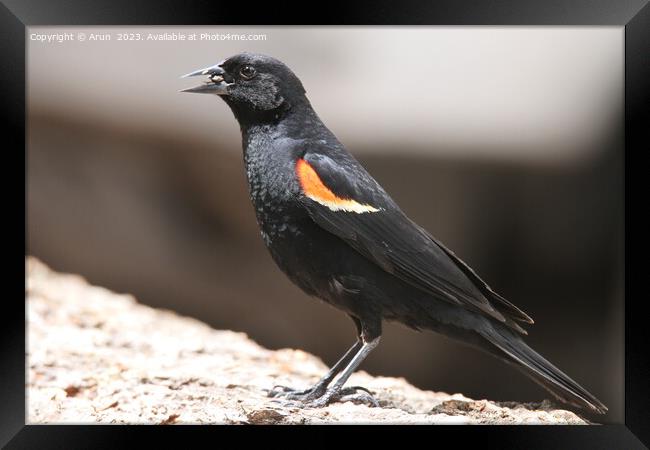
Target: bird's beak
<point x="215" y="83"/>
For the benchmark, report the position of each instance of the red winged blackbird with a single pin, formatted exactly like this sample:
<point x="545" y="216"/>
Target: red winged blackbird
<point x="336" y="233"/>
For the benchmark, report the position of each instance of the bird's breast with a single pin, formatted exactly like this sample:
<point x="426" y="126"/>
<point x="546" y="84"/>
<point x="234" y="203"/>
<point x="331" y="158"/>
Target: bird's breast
<point x="273" y="190"/>
<point x="300" y="248"/>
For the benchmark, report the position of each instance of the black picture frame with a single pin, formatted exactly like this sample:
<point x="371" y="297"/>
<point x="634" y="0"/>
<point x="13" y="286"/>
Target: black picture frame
<point x="16" y="15"/>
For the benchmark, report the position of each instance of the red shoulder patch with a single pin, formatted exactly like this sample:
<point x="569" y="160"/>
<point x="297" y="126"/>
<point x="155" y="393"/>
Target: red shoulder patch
<point x="314" y="188"/>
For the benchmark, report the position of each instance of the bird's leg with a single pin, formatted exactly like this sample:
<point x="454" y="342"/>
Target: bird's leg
<point x="335" y="392"/>
<point x="321" y="386"/>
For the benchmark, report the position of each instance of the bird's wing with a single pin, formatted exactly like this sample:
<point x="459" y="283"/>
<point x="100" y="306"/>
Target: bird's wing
<point x="345" y="200"/>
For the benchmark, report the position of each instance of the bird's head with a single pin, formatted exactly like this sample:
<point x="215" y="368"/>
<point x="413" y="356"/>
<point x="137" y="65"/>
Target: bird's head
<point x="253" y="85"/>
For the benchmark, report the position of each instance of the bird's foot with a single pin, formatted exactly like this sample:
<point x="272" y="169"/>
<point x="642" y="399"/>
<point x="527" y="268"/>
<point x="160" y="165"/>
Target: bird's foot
<point x="355" y="394"/>
<point x="302" y="395"/>
<point x="319" y="398"/>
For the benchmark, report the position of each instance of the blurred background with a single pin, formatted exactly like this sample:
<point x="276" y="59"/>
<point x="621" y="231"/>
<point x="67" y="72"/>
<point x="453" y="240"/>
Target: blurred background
<point x="505" y="143"/>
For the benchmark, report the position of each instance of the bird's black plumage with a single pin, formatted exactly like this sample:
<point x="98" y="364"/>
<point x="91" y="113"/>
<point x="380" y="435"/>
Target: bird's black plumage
<point x="336" y="233"/>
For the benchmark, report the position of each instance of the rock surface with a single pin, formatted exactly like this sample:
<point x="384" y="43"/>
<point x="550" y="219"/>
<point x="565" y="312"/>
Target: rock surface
<point x="96" y="356"/>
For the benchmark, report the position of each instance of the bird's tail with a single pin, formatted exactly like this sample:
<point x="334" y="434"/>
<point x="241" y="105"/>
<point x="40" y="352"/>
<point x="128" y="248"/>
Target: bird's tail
<point x="540" y="370"/>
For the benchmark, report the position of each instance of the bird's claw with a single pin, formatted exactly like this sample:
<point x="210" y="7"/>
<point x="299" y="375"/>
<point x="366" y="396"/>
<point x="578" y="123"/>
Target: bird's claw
<point x="355" y="394"/>
<point x="312" y="398"/>
<point x="361" y="398"/>
<point x="293" y="394"/>
<point x="278" y="391"/>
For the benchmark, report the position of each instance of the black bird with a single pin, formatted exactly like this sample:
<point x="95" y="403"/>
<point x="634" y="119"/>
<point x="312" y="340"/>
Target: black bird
<point x="336" y="233"/>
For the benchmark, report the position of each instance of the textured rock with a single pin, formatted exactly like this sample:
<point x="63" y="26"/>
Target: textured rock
<point x="96" y="356"/>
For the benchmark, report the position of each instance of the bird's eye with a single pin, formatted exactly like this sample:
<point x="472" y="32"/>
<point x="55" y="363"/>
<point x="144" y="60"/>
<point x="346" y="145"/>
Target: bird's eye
<point x="247" y="72"/>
